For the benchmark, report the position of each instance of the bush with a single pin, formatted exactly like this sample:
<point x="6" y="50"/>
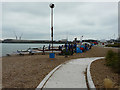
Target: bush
<point x="109" y="58"/>
<point x="67" y="52"/>
<point x="113" y="45"/>
<point x="112" y="60"/>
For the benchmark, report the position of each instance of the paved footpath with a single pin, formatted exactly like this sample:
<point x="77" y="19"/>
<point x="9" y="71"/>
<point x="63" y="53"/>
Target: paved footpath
<point x="70" y="75"/>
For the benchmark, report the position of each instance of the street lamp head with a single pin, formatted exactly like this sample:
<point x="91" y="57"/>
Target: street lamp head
<point x="52" y="5"/>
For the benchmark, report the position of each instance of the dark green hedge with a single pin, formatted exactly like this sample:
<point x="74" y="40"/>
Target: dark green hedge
<point x="113" y="60"/>
<point x="113" y="45"/>
<point x="68" y="52"/>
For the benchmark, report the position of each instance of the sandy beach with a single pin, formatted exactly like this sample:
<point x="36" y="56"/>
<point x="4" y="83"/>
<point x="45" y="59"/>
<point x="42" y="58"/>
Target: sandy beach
<point x="28" y="71"/>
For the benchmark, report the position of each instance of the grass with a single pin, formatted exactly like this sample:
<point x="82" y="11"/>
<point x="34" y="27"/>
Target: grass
<point x="113" y="45"/>
<point x="113" y="60"/>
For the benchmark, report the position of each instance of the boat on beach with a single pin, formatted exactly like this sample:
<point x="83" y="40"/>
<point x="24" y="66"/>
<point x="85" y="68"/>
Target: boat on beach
<point x="35" y="50"/>
<point x="56" y="49"/>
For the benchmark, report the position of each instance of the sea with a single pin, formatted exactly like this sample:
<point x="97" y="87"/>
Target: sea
<point x="10" y="48"/>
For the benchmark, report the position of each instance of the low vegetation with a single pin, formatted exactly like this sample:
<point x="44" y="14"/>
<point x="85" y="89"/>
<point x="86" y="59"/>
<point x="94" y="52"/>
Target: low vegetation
<point x="67" y="52"/>
<point x="113" y="60"/>
<point x="113" y="45"/>
<point x="108" y="83"/>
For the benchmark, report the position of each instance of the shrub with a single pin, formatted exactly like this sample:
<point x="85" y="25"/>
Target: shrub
<point x="109" y="57"/>
<point x="68" y="52"/>
<point x="113" y="45"/>
<point x="113" y="60"/>
<point x="108" y="83"/>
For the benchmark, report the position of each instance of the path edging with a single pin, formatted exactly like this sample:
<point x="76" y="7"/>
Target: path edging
<point x="42" y="83"/>
<point x="89" y="77"/>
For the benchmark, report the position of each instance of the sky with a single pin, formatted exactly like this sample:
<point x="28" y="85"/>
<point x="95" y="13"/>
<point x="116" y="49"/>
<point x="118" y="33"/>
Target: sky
<point x="92" y="20"/>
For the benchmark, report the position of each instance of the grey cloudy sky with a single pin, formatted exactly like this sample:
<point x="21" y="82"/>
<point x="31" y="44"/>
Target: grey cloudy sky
<point x="98" y="20"/>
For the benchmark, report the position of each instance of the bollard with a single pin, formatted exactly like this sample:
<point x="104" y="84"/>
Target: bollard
<point x="52" y="55"/>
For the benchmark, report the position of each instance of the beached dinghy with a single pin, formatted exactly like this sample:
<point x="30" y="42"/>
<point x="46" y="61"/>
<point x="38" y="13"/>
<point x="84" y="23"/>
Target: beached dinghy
<point x="22" y="52"/>
<point x="28" y="51"/>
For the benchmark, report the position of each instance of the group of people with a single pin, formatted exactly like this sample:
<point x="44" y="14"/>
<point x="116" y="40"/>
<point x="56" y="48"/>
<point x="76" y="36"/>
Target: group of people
<point x="71" y="47"/>
<point x="85" y="47"/>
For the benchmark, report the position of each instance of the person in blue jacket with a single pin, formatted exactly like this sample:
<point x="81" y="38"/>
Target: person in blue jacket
<point x="75" y="46"/>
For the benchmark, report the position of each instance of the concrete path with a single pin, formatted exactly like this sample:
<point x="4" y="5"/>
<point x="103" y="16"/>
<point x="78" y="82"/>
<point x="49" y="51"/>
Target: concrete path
<point x="70" y="74"/>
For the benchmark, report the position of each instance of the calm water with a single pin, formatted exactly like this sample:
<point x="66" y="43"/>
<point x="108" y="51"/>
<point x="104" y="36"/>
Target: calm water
<point x="8" y="48"/>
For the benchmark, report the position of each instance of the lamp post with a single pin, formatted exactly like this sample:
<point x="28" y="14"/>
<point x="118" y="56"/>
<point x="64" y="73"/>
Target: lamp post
<point x="52" y="6"/>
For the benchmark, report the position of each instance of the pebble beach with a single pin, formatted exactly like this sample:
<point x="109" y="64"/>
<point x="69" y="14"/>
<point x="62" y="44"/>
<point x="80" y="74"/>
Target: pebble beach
<point x="29" y="70"/>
